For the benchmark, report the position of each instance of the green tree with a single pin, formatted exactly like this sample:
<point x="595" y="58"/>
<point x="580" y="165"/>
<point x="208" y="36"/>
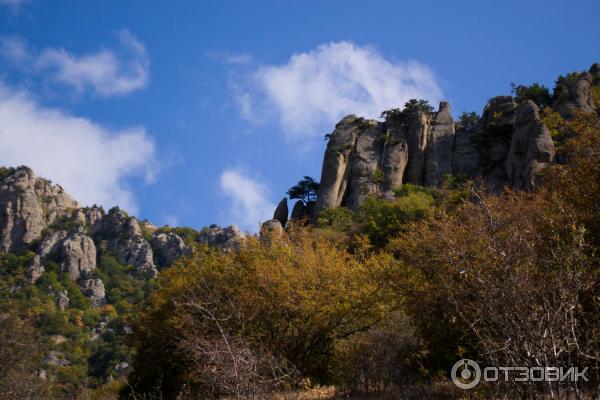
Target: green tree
<point x="305" y="190"/>
<point x="537" y="93"/>
<point x="468" y="120"/>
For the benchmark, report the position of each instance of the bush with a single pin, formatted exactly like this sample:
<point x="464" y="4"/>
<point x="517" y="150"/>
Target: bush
<point x="339" y="218"/>
<point x="381" y="220"/>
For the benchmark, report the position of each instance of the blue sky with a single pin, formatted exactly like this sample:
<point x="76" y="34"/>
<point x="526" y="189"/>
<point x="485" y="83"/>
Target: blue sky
<point x="200" y="112"/>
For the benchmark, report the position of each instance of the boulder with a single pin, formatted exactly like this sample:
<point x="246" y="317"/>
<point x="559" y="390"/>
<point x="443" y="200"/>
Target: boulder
<point x="169" y="247"/>
<point x="281" y="212"/>
<point x="122" y="368"/>
<point x="298" y="211"/>
<point x="56" y="359"/>
<point x="531" y="149"/>
<point x="57" y="339"/>
<point x="94" y="290"/>
<point x="229" y="238"/>
<point x="271" y="229"/>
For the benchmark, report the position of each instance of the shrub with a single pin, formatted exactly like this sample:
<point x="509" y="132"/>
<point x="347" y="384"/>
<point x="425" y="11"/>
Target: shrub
<point x="339" y="218"/>
<point x="381" y="220"/>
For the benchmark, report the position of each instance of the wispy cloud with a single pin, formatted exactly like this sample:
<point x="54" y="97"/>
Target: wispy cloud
<point x="315" y="89"/>
<point x="91" y="161"/>
<point x="105" y="72"/>
<point x="248" y="199"/>
<point x="13" y="5"/>
<point x="231" y="58"/>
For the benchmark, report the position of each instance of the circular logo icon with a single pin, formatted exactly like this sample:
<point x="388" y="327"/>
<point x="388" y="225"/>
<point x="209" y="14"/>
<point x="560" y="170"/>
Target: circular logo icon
<point x="466" y="374"/>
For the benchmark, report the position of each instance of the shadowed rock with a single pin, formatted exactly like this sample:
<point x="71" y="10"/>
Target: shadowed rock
<point x="281" y="212"/>
<point x="531" y="149"/>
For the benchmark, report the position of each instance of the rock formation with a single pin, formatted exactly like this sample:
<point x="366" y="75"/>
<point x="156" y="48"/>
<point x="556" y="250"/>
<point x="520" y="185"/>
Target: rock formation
<point x="94" y="290"/>
<point x="127" y="242"/>
<point x="271" y="229"/>
<point x="281" y="212"/>
<point x="27" y="206"/>
<point x="229" y="238"/>
<point x="531" y="148"/>
<point x="78" y="255"/>
<point x="35" y="269"/>
<point x="508" y="146"/>
<point x="169" y="247"/>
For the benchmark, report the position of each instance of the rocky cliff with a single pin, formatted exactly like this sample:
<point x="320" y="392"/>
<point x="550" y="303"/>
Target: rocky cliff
<point x="37" y="216"/>
<point x="509" y="145"/>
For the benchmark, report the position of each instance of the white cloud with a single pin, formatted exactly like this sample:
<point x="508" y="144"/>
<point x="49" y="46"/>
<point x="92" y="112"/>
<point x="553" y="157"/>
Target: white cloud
<point x="13" y="49"/>
<point x="249" y="203"/>
<point x="88" y="160"/>
<point x="14" y="5"/>
<point x="314" y="90"/>
<point x="105" y="72"/>
<point x="231" y="58"/>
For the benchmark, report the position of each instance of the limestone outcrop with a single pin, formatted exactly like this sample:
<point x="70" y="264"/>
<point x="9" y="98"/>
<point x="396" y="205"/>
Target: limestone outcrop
<point x="169" y="247"/>
<point x="27" y="206"/>
<point x="94" y="290"/>
<point x="78" y="255"/>
<point x="508" y="146"/>
<point x="531" y="148"/>
<point x="229" y="238"/>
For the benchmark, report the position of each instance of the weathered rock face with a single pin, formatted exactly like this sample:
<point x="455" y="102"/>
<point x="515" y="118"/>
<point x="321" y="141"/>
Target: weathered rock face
<point x="509" y="145"/>
<point x="439" y="150"/>
<point x="127" y="243"/>
<point x="94" y="289"/>
<point x="494" y="131"/>
<point x="298" y="211"/>
<point x="230" y="238"/>
<point x="27" y="206"/>
<point x="271" y="229"/>
<point x="531" y="148"/>
<point x="465" y="158"/>
<point x="78" y="255"/>
<point x="281" y="212"/>
<point x="51" y="244"/>
<point x="365" y="157"/>
<point x="169" y="247"/>
<point x="576" y="94"/>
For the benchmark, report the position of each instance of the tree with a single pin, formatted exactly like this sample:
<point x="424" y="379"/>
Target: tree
<point x="537" y="93"/>
<point x="305" y="190"/>
<point x="468" y="121"/>
<point x="279" y="303"/>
